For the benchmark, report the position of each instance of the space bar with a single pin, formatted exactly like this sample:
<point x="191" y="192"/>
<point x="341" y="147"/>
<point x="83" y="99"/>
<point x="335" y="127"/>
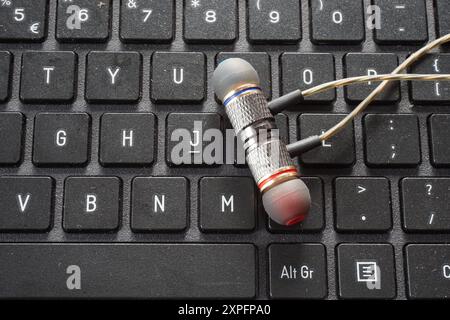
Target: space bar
<point x="127" y="270"/>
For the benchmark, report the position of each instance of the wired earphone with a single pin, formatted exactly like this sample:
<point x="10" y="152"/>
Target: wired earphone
<point x="285" y="197"/>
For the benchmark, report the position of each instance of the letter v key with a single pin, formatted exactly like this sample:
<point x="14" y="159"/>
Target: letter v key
<point x="23" y="203"/>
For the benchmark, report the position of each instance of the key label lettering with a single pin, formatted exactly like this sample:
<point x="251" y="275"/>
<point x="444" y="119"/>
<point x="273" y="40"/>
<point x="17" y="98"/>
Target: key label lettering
<point x="178" y="75"/>
<point x="446" y="271"/>
<point x="23" y="201"/>
<point x="292" y="272"/>
<point x="371" y="72"/>
<point x="228" y="203"/>
<point x="113" y="74"/>
<point x="159" y="203"/>
<point x="127" y="138"/>
<point x="325" y="144"/>
<point x="48" y="71"/>
<point x="91" y="203"/>
<point x="61" y="138"/>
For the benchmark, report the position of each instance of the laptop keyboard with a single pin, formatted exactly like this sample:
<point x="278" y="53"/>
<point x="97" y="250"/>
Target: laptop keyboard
<point x="92" y="203"/>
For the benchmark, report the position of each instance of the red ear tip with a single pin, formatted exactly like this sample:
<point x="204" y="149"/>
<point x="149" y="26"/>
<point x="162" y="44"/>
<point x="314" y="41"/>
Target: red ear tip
<point x="296" y="220"/>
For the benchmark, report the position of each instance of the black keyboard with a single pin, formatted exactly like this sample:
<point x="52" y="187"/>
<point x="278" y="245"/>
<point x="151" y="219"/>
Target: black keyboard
<point x="93" y="205"/>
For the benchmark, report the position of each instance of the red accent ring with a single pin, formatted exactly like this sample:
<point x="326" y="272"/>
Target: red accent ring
<point x="274" y="176"/>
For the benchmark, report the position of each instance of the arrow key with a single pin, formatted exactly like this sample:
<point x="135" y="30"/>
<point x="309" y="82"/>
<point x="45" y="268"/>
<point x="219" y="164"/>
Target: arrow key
<point x="362" y="204"/>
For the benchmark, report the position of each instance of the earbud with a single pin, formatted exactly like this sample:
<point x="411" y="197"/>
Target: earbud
<point x="285" y="197"/>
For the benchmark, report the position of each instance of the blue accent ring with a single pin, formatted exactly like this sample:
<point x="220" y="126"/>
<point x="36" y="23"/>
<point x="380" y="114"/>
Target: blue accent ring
<point x="237" y="94"/>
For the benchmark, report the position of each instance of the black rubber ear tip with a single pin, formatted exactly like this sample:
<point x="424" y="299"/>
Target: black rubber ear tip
<point x="232" y="73"/>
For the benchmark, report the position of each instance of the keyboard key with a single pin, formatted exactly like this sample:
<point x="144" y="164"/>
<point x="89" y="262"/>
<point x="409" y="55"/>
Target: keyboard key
<point x="227" y="204"/>
<point x="11" y="136"/>
<point x="210" y="21"/>
<point x="83" y="20"/>
<point x="428" y="271"/>
<point x="48" y="76"/>
<point x="127" y="139"/>
<point x="260" y="61"/>
<point x="61" y="139"/>
<point x="5" y="75"/>
<point x="442" y="13"/>
<point x="113" y="77"/>
<point x="366" y="271"/>
<point x="159" y="204"/>
<point x="128" y="270"/>
<point x="298" y="271"/>
<point x="392" y="140"/>
<point x="188" y="137"/>
<point x="337" y="21"/>
<point x="425" y="204"/>
<point x="304" y="70"/>
<point x="439" y="125"/>
<point x="178" y="77"/>
<point x="401" y="22"/>
<point x="23" y="20"/>
<point x="26" y="204"/>
<point x="147" y="20"/>
<point x="338" y="151"/>
<point x="274" y="21"/>
<point x="314" y="222"/>
<point x="359" y="64"/>
<point x="91" y="204"/>
<point x="363" y="204"/>
<point x="437" y="92"/>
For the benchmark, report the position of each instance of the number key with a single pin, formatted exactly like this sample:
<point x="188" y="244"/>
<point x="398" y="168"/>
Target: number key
<point x="83" y="20"/>
<point x="23" y="20"/>
<point x="146" y="20"/>
<point x="274" y="21"/>
<point x="337" y="21"/>
<point x="210" y="20"/>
